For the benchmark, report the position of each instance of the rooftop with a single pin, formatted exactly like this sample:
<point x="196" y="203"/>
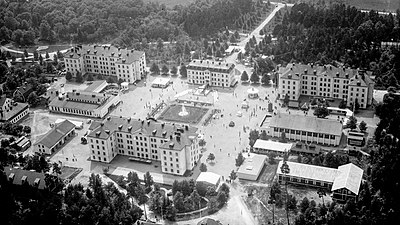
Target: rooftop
<point x="209" y="177"/>
<point x="95" y="84"/>
<point x="252" y="165"/>
<point x="30" y="176"/>
<point x="307" y="123"/>
<point x="296" y="70"/>
<point x="273" y="145"/>
<point x="307" y="171"/>
<point x="64" y="103"/>
<point x="349" y="177"/>
<point x="211" y="65"/>
<point x="123" y="56"/>
<point x="53" y="136"/>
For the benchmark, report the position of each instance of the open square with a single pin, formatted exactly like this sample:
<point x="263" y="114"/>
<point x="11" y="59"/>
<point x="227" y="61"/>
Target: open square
<point x="171" y="113"/>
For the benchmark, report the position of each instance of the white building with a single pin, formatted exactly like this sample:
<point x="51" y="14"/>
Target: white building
<point x="326" y="82"/>
<point x="213" y="73"/>
<point x="175" y="146"/>
<point x="305" y="128"/>
<point x="55" y="138"/>
<point x="265" y="147"/>
<point x="209" y="179"/>
<point x="107" y="60"/>
<point x="251" y="167"/>
<point x="11" y="111"/>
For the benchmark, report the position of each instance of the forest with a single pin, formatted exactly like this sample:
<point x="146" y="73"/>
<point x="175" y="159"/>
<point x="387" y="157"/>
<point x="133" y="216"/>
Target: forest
<point x="339" y="35"/>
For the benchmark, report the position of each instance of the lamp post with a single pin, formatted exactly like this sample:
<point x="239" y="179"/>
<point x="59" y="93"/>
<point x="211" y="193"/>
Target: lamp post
<point x="286" y="170"/>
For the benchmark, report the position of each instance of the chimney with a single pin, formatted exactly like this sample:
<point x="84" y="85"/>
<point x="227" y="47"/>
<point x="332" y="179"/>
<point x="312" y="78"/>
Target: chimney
<point x="315" y="72"/>
<point x="154" y="132"/>
<point x="109" y="118"/>
<point x="162" y="125"/>
<point x="347" y="75"/>
<point x="88" y="51"/>
<point x="290" y="76"/>
<point x="11" y="177"/>
<point x="337" y="74"/>
<point x="129" y="128"/>
<point x="312" y="65"/>
<point x="330" y="67"/>
<point x="142" y="122"/>
<point x="36" y="182"/>
<point x="101" y="124"/>
<point x="305" y="71"/>
<point x="186" y="127"/>
<point x="95" y="52"/>
<point x="178" y="138"/>
<point x="24" y="179"/>
<point x="120" y="127"/>
<point x="170" y="137"/>
<point x="148" y="122"/>
<point x="129" y="120"/>
<point x="107" y="131"/>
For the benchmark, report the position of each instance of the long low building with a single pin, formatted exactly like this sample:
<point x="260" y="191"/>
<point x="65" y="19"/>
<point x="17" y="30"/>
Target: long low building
<point x="55" y="138"/>
<point x="265" y="147"/>
<point x="309" y="129"/>
<point x="251" y="167"/>
<point x="83" y="103"/>
<point x="344" y="182"/>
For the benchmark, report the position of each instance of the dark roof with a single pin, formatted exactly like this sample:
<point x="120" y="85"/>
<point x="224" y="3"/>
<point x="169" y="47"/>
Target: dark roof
<point x="124" y="56"/>
<point x="149" y="127"/>
<point x="88" y="97"/>
<point x="25" y="90"/>
<point x="56" y="133"/>
<point x="210" y="65"/>
<point x="297" y="70"/>
<point x="70" y="104"/>
<point x="31" y="176"/>
<point x="306" y="123"/>
<point x="3" y="99"/>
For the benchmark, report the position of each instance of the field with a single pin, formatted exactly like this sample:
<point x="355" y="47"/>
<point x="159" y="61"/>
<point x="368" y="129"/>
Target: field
<point x="171" y="3"/>
<point x="194" y="116"/>
<point x="380" y="5"/>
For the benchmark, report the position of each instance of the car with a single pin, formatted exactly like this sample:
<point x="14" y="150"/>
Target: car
<point x="231" y="124"/>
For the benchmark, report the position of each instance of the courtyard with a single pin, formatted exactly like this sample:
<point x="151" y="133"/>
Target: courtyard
<point x="171" y="113"/>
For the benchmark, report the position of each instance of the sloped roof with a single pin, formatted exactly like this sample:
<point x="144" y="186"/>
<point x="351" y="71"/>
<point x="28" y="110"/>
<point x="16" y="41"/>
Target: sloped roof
<point x="209" y="177"/>
<point x="316" y="70"/>
<point x="31" y="176"/>
<point x="349" y="177"/>
<point x="273" y="145"/>
<point x="307" y="171"/>
<point x="211" y="65"/>
<point x="56" y="134"/>
<point x="307" y="123"/>
<point x="95" y="84"/>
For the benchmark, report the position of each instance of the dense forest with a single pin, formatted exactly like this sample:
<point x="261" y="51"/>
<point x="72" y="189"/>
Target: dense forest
<point x="122" y="21"/>
<point x="338" y="34"/>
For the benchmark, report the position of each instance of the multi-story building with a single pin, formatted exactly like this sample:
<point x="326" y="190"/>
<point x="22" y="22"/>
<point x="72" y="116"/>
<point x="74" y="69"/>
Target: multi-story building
<point x="210" y="72"/>
<point x="107" y="60"/>
<point x="175" y="146"/>
<point x="309" y="129"/>
<point x="11" y="111"/>
<point x="327" y="82"/>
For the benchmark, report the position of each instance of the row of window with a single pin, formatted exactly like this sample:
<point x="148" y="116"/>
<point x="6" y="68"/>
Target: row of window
<point x="304" y="133"/>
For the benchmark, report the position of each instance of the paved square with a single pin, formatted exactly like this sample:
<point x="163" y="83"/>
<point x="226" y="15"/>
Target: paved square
<point x="171" y="113"/>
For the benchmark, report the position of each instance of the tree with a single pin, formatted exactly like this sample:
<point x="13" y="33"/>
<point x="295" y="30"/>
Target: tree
<point x="244" y="76"/>
<point x="32" y="99"/>
<point x="68" y="76"/>
<point x="148" y="181"/>
<point x="321" y="111"/>
<point x="263" y="135"/>
<point x="271" y="158"/>
<point x="179" y="202"/>
<point x="253" y="136"/>
<point x="351" y="123"/>
<point x="283" y="138"/>
<point x="212" y="205"/>
<point x="90" y="77"/>
<point x="362" y="126"/>
<point x="225" y="188"/>
<point x="164" y="70"/>
<point x="141" y="197"/>
<point x="26" y="53"/>
<point x="154" y="69"/>
<point x="233" y="175"/>
<point x="203" y="167"/>
<point x="183" y="71"/>
<point x="221" y="198"/>
<point x="239" y="160"/>
<point x="211" y="156"/>
<point x="47" y="55"/>
<point x="266" y="79"/>
<point x="35" y="55"/>
<point x="27" y="129"/>
<point x="286" y="100"/>
<point x="78" y="77"/>
<point x="254" y="78"/>
<point x="286" y="170"/>
<point x="111" y="80"/>
<point x="202" y="143"/>
<point x="174" y="70"/>
<point x="195" y="199"/>
<point x="342" y="104"/>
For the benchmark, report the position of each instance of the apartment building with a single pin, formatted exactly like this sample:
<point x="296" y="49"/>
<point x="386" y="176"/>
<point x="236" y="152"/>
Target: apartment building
<point x="326" y="81"/>
<point x="11" y="111"/>
<point x="175" y="146"/>
<point x="213" y="73"/>
<point x="309" y="129"/>
<point x="107" y="60"/>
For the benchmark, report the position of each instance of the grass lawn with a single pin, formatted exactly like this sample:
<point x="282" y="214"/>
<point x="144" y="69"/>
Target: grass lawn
<point x="381" y="5"/>
<point x="51" y="48"/>
<point x="194" y="116"/>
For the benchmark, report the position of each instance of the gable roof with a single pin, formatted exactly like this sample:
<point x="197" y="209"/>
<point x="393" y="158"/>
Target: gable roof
<point x="349" y="177"/>
<point x="316" y="70"/>
<point x="273" y="145"/>
<point x="211" y="65"/>
<point x="25" y="90"/>
<point x="307" y="123"/>
<point x="56" y="134"/>
<point x="307" y="171"/>
<point x="31" y="176"/>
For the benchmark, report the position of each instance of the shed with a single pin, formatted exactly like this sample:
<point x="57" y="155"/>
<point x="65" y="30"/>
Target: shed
<point x="209" y="178"/>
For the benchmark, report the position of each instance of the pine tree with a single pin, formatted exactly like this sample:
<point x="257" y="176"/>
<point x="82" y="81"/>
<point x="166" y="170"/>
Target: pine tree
<point x="254" y="78"/>
<point x="244" y="76"/>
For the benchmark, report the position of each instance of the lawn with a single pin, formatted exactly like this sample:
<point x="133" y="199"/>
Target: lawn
<point x="381" y="5"/>
<point x="194" y="116"/>
<point x="50" y="48"/>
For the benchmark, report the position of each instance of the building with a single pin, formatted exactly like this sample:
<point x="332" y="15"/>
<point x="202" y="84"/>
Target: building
<point x="20" y="177"/>
<point x="21" y="93"/>
<point x="21" y="144"/>
<point x="160" y="82"/>
<point x="213" y="73"/>
<point x="265" y="147"/>
<point x="55" y="138"/>
<point x="174" y="145"/>
<point x="208" y="221"/>
<point x="83" y="103"/>
<point x="11" y="111"/>
<point x="344" y="182"/>
<point x="326" y="82"/>
<point x="356" y="140"/>
<point x="251" y="167"/>
<point x="96" y="86"/>
<point x="107" y="60"/>
<point x="209" y="179"/>
<point x="309" y="129"/>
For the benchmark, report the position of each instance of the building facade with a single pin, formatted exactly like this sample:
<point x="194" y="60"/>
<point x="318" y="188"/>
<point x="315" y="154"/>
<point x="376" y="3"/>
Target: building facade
<point x="55" y="138"/>
<point x="176" y="147"/>
<point x="107" y="60"/>
<point x="83" y="103"/>
<point x="213" y="73"/>
<point x="306" y="128"/>
<point x="326" y="82"/>
<point x="11" y="111"/>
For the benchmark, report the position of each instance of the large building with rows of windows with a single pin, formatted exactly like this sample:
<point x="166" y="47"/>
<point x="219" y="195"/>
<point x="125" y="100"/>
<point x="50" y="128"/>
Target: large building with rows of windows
<point x="309" y="129"/>
<point x="176" y="146"/>
<point x="327" y="82"/>
<point x="107" y="60"/>
<point x="213" y="73"/>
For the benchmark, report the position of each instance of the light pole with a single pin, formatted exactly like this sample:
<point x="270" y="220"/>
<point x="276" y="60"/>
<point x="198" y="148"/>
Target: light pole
<point x="286" y="170"/>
